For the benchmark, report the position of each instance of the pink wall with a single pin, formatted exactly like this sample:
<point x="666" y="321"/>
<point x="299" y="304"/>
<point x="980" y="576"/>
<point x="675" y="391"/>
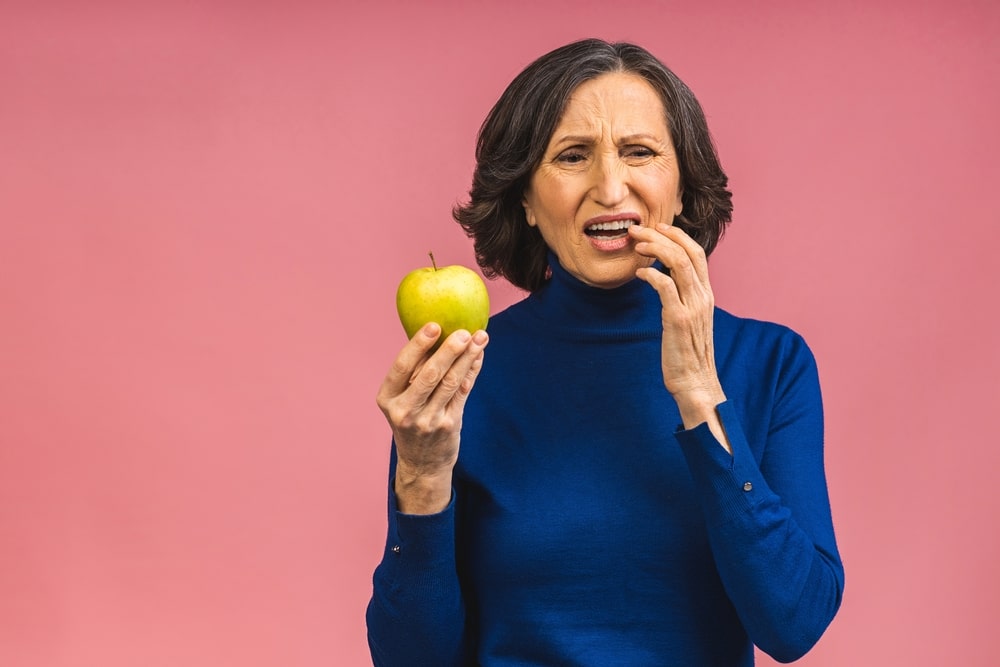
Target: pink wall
<point x="204" y="212"/>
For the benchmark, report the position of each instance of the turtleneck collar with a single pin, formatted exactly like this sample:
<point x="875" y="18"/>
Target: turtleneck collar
<point x="565" y="304"/>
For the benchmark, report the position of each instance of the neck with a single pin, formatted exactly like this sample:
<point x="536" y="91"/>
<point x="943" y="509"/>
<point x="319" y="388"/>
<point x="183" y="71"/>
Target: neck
<point x="565" y="303"/>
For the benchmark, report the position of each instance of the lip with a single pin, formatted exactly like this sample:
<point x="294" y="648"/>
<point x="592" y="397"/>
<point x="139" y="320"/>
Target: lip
<point x="611" y="245"/>
<point x="613" y="217"/>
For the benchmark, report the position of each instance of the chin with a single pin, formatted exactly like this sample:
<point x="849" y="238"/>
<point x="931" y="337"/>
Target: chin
<point x="608" y="272"/>
<point x="611" y="280"/>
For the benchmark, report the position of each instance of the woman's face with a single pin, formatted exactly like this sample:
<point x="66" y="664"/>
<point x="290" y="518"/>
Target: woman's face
<point x="609" y="164"/>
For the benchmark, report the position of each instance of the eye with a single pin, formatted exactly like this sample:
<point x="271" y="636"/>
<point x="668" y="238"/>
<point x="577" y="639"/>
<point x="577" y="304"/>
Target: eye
<point x="571" y="156"/>
<point x="638" y="152"/>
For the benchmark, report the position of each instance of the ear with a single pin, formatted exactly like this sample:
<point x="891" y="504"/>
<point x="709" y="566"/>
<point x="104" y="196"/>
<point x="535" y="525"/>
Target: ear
<point x="679" y="204"/>
<point x="529" y="214"/>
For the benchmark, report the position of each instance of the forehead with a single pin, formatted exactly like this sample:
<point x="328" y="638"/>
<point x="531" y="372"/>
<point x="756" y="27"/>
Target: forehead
<point x="625" y="100"/>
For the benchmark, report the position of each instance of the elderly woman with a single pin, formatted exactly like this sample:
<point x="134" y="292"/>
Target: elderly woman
<point x="637" y="477"/>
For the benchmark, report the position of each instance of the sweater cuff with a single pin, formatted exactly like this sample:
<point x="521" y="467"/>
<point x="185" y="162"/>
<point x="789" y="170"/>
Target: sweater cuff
<point x="729" y="485"/>
<point x="420" y="540"/>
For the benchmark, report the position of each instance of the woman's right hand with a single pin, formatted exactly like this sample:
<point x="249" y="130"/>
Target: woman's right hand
<point x="423" y="397"/>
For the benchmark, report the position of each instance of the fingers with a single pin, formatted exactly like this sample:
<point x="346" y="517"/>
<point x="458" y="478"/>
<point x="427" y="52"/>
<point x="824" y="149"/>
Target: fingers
<point x="454" y="381"/>
<point x="417" y="376"/>
<point x="664" y="285"/>
<point x="410" y="358"/>
<point x="677" y="251"/>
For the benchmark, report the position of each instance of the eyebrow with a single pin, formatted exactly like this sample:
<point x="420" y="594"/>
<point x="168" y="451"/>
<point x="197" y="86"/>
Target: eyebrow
<point x="587" y="140"/>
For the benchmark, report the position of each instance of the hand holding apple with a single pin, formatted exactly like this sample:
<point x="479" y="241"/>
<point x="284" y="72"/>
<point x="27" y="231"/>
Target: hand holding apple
<point x="454" y="297"/>
<point x="423" y="395"/>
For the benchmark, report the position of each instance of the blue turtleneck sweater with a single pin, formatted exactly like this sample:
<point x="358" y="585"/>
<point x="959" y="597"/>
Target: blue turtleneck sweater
<point x="588" y="528"/>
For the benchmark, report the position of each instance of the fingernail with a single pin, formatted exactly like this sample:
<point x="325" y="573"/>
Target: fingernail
<point x="431" y="330"/>
<point x="463" y="336"/>
<point x="480" y="338"/>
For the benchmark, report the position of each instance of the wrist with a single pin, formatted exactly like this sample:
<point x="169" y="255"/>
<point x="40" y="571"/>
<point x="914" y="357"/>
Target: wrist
<point x="422" y="493"/>
<point x="698" y="405"/>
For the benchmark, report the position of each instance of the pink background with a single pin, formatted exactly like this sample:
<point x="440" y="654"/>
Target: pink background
<point x="205" y="209"/>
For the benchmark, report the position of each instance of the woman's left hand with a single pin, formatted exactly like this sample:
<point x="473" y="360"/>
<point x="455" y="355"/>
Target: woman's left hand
<point x="688" y="348"/>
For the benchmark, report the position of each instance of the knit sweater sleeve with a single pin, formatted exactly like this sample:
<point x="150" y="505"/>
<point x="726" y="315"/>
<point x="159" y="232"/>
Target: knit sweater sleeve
<point x="769" y="523"/>
<point x="416" y="615"/>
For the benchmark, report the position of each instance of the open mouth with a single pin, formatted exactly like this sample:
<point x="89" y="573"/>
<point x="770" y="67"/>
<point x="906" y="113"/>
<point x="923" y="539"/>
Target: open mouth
<point x="609" y="230"/>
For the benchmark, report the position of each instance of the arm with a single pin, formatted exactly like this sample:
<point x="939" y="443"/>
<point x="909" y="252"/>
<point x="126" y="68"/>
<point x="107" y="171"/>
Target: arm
<point x="769" y="525"/>
<point x="416" y="614"/>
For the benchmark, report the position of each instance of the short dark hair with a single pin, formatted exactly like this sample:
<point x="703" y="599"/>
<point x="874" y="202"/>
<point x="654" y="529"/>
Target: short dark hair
<point x="515" y="134"/>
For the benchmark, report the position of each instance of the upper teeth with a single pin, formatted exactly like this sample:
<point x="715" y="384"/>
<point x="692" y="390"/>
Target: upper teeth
<point x="612" y="226"/>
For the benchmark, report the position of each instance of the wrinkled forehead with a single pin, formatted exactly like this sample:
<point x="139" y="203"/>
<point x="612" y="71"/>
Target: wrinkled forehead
<point x="615" y="104"/>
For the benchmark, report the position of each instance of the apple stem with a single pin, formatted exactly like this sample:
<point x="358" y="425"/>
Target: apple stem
<point x="433" y="263"/>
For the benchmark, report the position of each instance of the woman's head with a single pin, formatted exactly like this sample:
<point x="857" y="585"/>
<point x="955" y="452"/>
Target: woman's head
<point x="516" y="134"/>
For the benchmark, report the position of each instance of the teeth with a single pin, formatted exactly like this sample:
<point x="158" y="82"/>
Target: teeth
<point x="612" y="226"/>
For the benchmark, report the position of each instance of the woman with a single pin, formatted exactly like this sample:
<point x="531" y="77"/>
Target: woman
<point x="637" y="478"/>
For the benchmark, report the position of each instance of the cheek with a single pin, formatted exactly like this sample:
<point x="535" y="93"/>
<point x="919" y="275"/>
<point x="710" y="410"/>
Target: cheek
<point x="558" y="195"/>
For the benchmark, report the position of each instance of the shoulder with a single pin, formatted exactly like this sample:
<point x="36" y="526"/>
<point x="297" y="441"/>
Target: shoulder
<point x="765" y="347"/>
<point x="732" y="328"/>
<point x="516" y="316"/>
<point x="767" y="369"/>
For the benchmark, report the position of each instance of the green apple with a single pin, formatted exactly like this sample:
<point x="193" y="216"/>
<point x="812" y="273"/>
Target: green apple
<point x="453" y="296"/>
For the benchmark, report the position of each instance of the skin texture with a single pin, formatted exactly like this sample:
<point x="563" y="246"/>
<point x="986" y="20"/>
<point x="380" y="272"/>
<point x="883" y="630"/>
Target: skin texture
<point x="688" y="344"/>
<point x="423" y="397"/>
<point x="610" y="155"/>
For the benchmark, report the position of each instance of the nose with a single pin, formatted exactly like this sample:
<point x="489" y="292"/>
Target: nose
<point x="610" y="182"/>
